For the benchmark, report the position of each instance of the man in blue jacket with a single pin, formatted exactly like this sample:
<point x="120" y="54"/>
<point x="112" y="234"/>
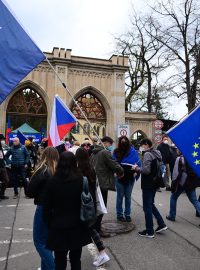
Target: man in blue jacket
<point x="19" y="162"/>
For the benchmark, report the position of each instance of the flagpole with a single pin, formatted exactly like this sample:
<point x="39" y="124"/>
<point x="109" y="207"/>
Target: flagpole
<point x="64" y="85"/>
<point x="85" y="130"/>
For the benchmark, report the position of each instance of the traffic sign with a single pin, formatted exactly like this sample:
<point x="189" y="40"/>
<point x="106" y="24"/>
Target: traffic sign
<point x="158" y="124"/>
<point x="158" y="138"/>
<point x="158" y="131"/>
<point x="123" y="130"/>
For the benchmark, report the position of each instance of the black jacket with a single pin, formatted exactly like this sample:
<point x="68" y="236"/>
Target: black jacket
<point x="61" y="213"/>
<point x="165" y="152"/>
<point x="37" y="186"/>
<point x="2" y="160"/>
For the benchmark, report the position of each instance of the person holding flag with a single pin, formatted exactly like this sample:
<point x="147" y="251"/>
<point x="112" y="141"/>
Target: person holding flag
<point x="186" y="174"/>
<point x="183" y="180"/>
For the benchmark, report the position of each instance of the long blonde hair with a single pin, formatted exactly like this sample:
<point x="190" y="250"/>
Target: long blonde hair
<point x="48" y="160"/>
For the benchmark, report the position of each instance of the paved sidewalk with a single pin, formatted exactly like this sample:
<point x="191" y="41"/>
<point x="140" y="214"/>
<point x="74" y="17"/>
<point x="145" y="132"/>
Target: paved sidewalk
<point x="177" y="249"/>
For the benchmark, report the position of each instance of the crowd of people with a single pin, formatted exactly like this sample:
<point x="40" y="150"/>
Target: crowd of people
<point x="54" y="178"/>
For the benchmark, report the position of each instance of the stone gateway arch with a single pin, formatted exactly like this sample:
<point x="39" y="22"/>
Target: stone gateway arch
<point x="98" y="85"/>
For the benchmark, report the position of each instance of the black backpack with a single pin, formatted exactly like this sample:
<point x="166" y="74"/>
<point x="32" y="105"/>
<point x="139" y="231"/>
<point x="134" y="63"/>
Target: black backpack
<point x="88" y="213"/>
<point x="156" y="170"/>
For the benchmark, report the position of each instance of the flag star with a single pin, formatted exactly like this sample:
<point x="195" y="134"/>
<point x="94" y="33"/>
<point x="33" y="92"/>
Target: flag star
<point x="195" y="154"/>
<point x="196" y="145"/>
<point x="197" y="162"/>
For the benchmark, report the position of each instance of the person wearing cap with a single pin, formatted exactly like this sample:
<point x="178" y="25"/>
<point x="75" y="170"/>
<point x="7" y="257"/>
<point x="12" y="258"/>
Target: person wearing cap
<point x="19" y="163"/>
<point x="3" y="173"/>
<point x="105" y="167"/>
<point x="86" y="145"/>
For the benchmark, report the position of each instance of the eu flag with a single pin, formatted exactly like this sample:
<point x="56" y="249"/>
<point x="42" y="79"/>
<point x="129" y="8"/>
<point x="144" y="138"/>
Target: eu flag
<point x="21" y="136"/>
<point x="186" y="136"/>
<point x="19" y="55"/>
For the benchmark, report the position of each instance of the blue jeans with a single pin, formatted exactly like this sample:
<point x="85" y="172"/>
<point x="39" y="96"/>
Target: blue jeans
<point x="150" y="209"/>
<point x="40" y="235"/>
<point x="191" y="194"/>
<point x="124" y="191"/>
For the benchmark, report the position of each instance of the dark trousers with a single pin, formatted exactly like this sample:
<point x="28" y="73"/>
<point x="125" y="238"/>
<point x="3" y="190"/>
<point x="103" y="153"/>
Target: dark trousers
<point x="97" y="239"/>
<point x="74" y="256"/>
<point x="148" y="196"/>
<point x="4" y="181"/>
<point x="19" y="174"/>
<point x="100" y="217"/>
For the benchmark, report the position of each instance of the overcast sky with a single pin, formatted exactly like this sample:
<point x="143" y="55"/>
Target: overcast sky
<point x="85" y="26"/>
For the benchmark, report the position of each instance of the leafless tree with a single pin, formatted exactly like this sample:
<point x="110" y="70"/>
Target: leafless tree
<point x="145" y="64"/>
<point x="177" y="28"/>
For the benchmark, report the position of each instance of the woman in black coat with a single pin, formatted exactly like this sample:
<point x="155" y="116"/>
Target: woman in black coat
<point x="62" y="213"/>
<point x="87" y="170"/>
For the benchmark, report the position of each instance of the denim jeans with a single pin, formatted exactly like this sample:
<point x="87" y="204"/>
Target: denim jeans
<point x="19" y="173"/>
<point x="191" y="194"/>
<point x="40" y="234"/>
<point x="124" y="191"/>
<point x="148" y="196"/>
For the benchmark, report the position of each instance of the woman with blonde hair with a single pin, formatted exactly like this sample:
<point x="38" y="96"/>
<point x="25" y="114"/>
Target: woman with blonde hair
<point x="36" y="189"/>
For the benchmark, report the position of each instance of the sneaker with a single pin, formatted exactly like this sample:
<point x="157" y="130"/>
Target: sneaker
<point x="146" y="234"/>
<point x="170" y="218"/>
<point x="122" y="219"/>
<point x="128" y="219"/>
<point x="101" y="259"/>
<point x="161" y="228"/>
<point x="15" y="196"/>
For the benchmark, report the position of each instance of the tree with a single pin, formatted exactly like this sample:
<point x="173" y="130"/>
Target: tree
<point x="145" y="65"/>
<point x="176" y="27"/>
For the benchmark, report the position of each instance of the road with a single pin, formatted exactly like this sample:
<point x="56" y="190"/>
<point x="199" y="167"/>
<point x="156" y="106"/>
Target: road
<point x="177" y="249"/>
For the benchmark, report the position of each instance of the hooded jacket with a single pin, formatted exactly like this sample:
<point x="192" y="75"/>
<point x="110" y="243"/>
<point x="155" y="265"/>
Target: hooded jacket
<point x="105" y="167"/>
<point x="147" y="171"/>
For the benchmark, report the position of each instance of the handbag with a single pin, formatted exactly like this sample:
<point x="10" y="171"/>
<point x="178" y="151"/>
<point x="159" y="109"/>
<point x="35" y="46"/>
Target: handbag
<point x="100" y="205"/>
<point x="87" y="213"/>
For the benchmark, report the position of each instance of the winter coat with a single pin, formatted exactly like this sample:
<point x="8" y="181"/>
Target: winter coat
<point x="147" y="170"/>
<point x="105" y="167"/>
<point x="61" y="212"/>
<point x="19" y="155"/>
<point x="167" y="156"/>
<point x="2" y="157"/>
<point x="37" y="185"/>
<point x="126" y="162"/>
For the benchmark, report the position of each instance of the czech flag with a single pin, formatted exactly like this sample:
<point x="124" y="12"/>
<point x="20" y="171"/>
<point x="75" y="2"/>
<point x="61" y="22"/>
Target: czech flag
<point x="8" y="130"/>
<point x="62" y="121"/>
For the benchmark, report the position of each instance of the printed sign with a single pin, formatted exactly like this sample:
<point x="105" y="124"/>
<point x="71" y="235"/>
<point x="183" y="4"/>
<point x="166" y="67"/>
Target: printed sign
<point x="123" y="130"/>
<point x="158" y="124"/>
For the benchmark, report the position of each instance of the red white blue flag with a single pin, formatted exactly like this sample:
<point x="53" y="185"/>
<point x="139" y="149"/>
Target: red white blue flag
<point x="62" y="121"/>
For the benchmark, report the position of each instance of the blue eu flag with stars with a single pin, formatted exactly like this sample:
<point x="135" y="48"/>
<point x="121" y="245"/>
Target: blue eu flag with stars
<point x="186" y="136"/>
<point x="19" y="55"/>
